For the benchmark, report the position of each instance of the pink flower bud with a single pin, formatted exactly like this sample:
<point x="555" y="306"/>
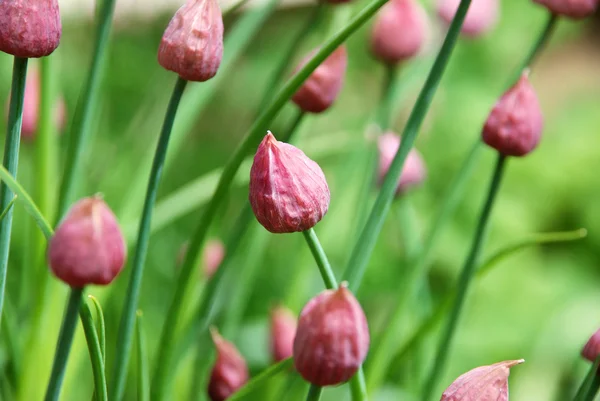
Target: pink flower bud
<point x="591" y="351"/>
<point x="482" y="384"/>
<point x="399" y="31"/>
<point x="576" y="9"/>
<point x="413" y="172"/>
<point x="481" y="17"/>
<point x="332" y="339"/>
<point x="514" y="126"/>
<point x="283" y="331"/>
<point x="229" y="372"/>
<point x="288" y="191"/>
<point x="29" y="28"/>
<point x="88" y="245"/>
<point x="321" y="89"/>
<point x="192" y="45"/>
<point x="212" y="256"/>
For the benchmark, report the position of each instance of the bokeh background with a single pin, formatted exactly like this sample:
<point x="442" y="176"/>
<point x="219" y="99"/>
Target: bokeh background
<point x="541" y="304"/>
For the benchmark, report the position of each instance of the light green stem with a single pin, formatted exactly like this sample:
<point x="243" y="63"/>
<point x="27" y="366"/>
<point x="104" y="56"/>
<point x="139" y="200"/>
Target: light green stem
<point x="95" y="351"/>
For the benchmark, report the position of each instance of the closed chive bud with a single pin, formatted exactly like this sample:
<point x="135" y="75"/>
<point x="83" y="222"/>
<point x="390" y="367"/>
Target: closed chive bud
<point x="514" y="126"/>
<point x="481" y="16"/>
<point x="321" y="89"/>
<point x="482" y="384"/>
<point x="591" y="351"/>
<point x="88" y="246"/>
<point x="212" y="256"/>
<point x="399" y="31"/>
<point x="288" y="191"/>
<point x="414" y="170"/>
<point x="283" y="331"/>
<point x="229" y="372"/>
<point x="192" y="45"/>
<point x="575" y="9"/>
<point x="29" y="28"/>
<point x="332" y="339"/>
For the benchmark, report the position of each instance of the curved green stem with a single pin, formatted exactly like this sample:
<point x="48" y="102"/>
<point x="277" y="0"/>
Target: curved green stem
<point x="319" y="254"/>
<point x="540" y="44"/>
<point x="143" y="374"/>
<point x="590" y="385"/>
<point x="8" y="207"/>
<point x="95" y="350"/>
<point x="261" y="379"/>
<point x="125" y="336"/>
<point x="101" y="326"/>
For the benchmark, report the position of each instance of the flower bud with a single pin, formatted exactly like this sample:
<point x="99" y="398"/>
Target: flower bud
<point x="482" y="383"/>
<point x="576" y="9"/>
<point x="192" y="45"/>
<point x="88" y="245"/>
<point x="332" y="339"/>
<point x="288" y="191"/>
<point x="212" y="256"/>
<point x="229" y="372"/>
<point x="283" y="331"/>
<point x="321" y="89"/>
<point x="413" y="172"/>
<point x="399" y="31"/>
<point x="481" y="16"/>
<point x="514" y="126"/>
<point x="591" y="351"/>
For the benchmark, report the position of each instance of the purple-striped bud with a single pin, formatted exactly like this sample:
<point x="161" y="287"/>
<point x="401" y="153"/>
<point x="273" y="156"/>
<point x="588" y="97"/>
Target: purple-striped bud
<point x="332" y="339"/>
<point x="288" y="191"/>
<point x="575" y="9"/>
<point x="283" y="331"/>
<point x="414" y="170"/>
<point x="514" y="126"/>
<point x="591" y="351"/>
<point x="192" y="45"/>
<point x="480" y="18"/>
<point x="229" y="372"/>
<point x="29" y="28"/>
<point x="321" y="89"/>
<point x="399" y="31"/>
<point x="88" y="246"/>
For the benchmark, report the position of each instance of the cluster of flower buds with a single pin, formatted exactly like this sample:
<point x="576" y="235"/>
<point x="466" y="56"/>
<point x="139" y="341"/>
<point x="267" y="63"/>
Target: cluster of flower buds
<point x="29" y="28"/>
<point x="283" y="331"/>
<point x="481" y="16"/>
<point x="88" y="246"/>
<point x="212" y="256"/>
<point x="575" y="9"/>
<point x="413" y="172"/>
<point x="229" y="372"/>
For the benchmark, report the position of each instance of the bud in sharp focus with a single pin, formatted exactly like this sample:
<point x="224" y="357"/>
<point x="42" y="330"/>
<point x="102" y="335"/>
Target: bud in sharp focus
<point x="591" y="351"/>
<point x="485" y="383"/>
<point x="576" y="9"/>
<point x="332" y="339"/>
<point x="413" y="172"/>
<point x="514" y="126"/>
<point x="229" y="372"/>
<point x="283" y="331"/>
<point x="88" y="246"/>
<point x="29" y="28"/>
<point x="192" y="45"/>
<point x="481" y="17"/>
<point x="321" y="89"/>
<point x="288" y="191"/>
<point x="399" y="31"/>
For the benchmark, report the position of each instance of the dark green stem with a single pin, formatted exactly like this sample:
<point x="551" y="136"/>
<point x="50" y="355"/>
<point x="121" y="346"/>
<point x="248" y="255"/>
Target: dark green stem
<point x="65" y="339"/>
<point x="125" y="337"/>
<point x="95" y="350"/>
<point x="463" y="283"/>
<point x="143" y="374"/>
<point x="540" y="44"/>
<point x="314" y="393"/>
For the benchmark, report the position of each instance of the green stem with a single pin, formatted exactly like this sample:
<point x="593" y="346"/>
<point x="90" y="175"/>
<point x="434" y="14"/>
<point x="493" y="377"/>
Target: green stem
<point x="319" y="254"/>
<point x="95" y="350"/>
<point x="251" y="139"/>
<point x="101" y="327"/>
<point x="384" y="112"/>
<point x="143" y="374"/>
<point x="463" y="284"/>
<point x="65" y="339"/>
<point x="10" y="205"/>
<point x="540" y="44"/>
<point x="591" y="383"/>
<point x="125" y="336"/>
<point x="314" y="393"/>
<point x="261" y="379"/>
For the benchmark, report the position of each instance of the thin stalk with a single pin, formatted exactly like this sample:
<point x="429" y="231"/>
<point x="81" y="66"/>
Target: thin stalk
<point x="251" y="139"/>
<point x="384" y="112"/>
<point x="464" y="281"/>
<point x="95" y="350"/>
<point x="65" y="339"/>
<point x="540" y="44"/>
<point x="143" y="374"/>
<point x="314" y="393"/>
<point x="100" y="326"/>
<point x="261" y="379"/>
<point x="589" y="386"/>
<point x="10" y="205"/>
<point x="11" y="162"/>
<point x="125" y="336"/>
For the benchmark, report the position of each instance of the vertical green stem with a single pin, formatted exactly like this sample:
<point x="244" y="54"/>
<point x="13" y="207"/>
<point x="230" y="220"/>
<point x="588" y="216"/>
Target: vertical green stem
<point x="463" y="284"/>
<point x="384" y="112"/>
<point x="95" y="350"/>
<point x="65" y="339"/>
<point x="125" y="336"/>
<point x="314" y="393"/>
<point x="143" y="375"/>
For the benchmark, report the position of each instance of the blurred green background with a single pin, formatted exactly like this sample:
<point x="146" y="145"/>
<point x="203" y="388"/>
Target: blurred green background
<point x="540" y="305"/>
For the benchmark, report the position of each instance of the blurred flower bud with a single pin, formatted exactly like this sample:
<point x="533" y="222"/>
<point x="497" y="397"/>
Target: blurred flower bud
<point x="288" y="191"/>
<point x="481" y="17"/>
<point x="576" y="9"/>
<point x="192" y="45"/>
<point x="212" y="256"/>
<point x="514" y="126"/>
<point x="591" y="351"/>
<point x="88" y="245"/>
<point x="29" y="28"/>
<point x="482" y="384"/>
<point x="229" y="372"/>
<point x="399" y="31"/>
<point x="413" y="172"/>
<point x="321" y="89"/>
<point x="283" y="331"/>
<point x="332" y="339"/>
